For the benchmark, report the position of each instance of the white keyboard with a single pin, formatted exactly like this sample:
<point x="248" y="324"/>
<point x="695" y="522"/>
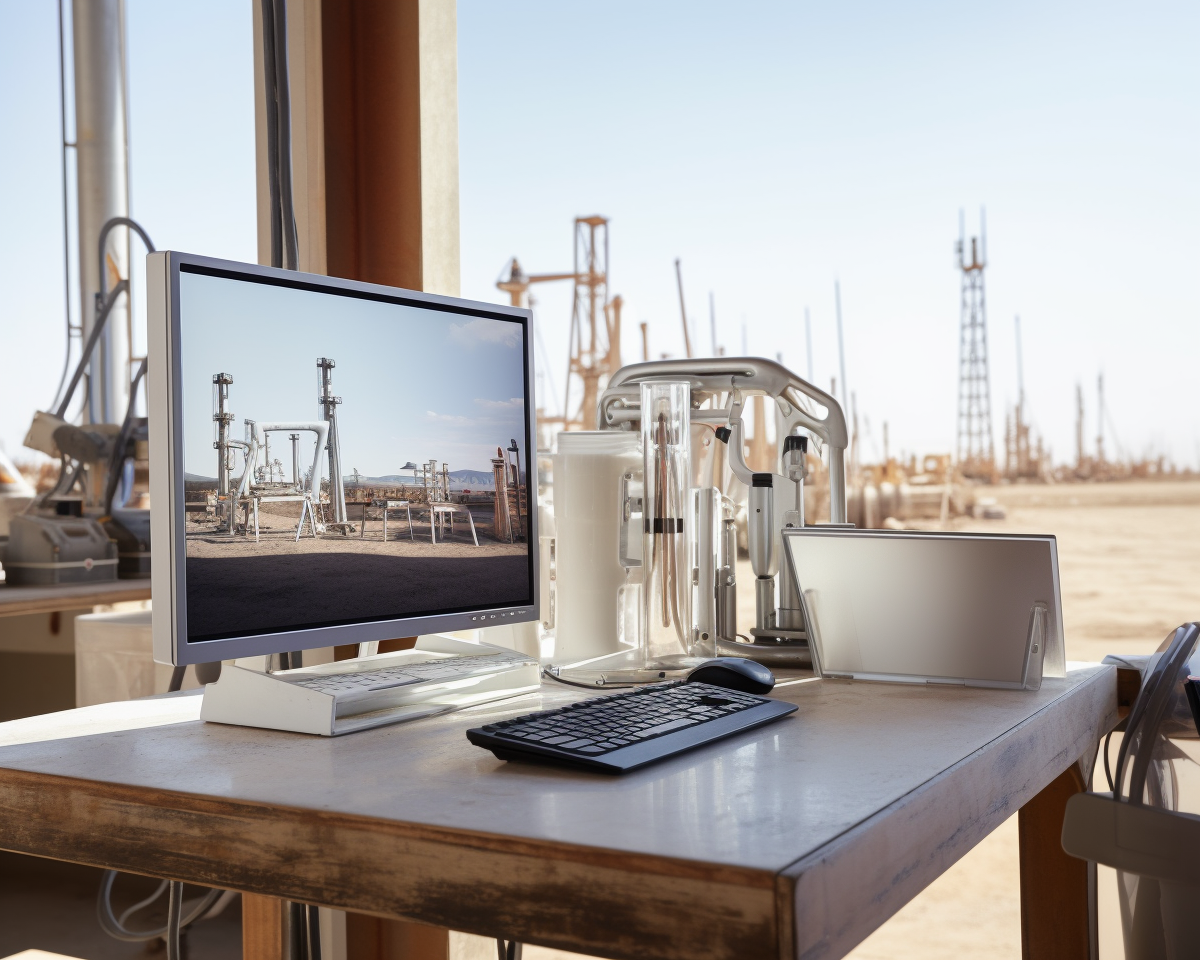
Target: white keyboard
<point x="366" y="684"/>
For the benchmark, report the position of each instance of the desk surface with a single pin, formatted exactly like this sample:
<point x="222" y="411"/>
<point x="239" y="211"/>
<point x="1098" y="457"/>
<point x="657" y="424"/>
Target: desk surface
<point x="794" y="840"/>
<point x="16" y="600"/>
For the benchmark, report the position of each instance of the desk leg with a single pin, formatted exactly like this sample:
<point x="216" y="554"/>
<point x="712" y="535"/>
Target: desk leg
<point x="264" y="928"/>
<point x="373" y="938"/>
<point x="1055" y="888"/>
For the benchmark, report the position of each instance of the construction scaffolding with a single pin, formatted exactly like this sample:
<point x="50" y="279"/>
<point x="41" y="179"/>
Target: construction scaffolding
<point x="976" y="447"/>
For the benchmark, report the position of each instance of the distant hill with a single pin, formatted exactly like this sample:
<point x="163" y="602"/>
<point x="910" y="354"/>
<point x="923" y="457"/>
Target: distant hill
<point x="459" y="479"/>
<point x="196" y="478"/>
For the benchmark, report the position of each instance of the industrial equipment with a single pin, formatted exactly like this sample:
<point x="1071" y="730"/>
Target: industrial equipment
<point x="670" y="515"/>
<point x="595" y="332"/>
<point x="58" y="550"/>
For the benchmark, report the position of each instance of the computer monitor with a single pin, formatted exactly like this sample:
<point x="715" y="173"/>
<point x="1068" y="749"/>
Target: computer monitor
<point x="272" y="489"/>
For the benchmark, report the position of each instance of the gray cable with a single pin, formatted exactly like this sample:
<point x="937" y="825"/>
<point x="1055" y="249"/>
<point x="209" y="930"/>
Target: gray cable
<point x="272" y="125"/>
<point x="142" y="904"/>
<point x="90" y="346"/>
<point x="118" y="931"/>
<point x="105" y="230"/>
<point x="62" y="117"/>
<point x="284" y="242"/>
<point x="287" y="205"/>
<point x="174" y="927"/>
<point x="105" y="301"/>
<point x="117" y="460"/>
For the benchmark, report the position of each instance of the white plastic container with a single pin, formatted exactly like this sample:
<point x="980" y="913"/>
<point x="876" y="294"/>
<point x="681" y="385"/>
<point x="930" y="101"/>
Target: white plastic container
<point x="588" y="472"/>
<point x="114" y="659"/>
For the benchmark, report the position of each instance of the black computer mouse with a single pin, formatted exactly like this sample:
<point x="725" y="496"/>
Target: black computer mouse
<point x="734" y="673"/>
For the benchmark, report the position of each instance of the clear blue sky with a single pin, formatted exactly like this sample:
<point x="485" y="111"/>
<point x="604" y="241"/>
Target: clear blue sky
<point x="415" y="384"/>
<point x="773" y="147"/>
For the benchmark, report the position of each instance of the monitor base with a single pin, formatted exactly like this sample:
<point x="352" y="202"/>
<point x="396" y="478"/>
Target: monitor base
<point x="281" y="701"/>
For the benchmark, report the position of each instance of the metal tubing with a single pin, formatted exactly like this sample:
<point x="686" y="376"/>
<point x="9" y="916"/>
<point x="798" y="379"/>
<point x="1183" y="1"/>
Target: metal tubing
<point x="102" y="169"/>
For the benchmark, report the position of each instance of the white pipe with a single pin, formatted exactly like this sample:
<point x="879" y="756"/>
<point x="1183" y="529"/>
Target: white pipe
<point x="102" y="167"/>
<point x="258" y="442"/>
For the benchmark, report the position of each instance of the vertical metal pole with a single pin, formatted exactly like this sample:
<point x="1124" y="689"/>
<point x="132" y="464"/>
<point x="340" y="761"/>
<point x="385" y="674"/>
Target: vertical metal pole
<point x="712" y="321"/>
<point x="837" y="299"/>
<point x="808" y="344"/>
<point x="329" y="404"/>
<point x="223" y="417"/>
<point x="295" y="438"/>
<point x="102" y="170"/>
<point x="687" y="337"/>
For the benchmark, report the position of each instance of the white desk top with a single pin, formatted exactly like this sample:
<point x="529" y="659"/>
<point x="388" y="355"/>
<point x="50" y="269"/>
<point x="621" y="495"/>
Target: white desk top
<point x="853" y="804"/>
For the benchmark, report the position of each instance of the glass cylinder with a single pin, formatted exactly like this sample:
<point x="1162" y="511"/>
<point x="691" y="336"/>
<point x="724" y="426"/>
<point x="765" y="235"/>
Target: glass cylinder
<point x="665" y="622"/>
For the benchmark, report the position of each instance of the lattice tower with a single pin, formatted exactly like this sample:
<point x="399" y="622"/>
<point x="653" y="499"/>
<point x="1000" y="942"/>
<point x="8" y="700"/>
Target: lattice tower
<point x="976" y="447"/>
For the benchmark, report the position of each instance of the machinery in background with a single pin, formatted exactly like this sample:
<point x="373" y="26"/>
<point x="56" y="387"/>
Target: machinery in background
<point x="642" y="580"/>
<point x="262" y="479"/>
<point x="102" y="450"/>
<point x="104" y="467"/>
<point x="595" y="333"/>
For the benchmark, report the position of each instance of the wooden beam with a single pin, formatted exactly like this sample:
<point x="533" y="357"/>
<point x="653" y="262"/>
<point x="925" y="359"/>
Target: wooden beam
<point x="1056" y="893"/>
<point x="391" y="142"/>
<point x="374" y="93"/>
<point x="264" y="928"/>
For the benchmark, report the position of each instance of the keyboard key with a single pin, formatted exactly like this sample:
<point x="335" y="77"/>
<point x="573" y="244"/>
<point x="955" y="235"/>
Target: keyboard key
<point x="669" y="725"/>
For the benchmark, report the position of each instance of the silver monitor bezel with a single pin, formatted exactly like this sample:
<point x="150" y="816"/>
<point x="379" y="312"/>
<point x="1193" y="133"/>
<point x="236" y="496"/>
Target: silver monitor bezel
<point x="165" y="407"/>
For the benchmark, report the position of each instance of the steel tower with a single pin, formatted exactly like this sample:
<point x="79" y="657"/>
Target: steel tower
<point x="976" y="449"/>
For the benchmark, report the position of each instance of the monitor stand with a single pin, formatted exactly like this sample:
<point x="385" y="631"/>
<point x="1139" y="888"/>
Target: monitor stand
<point x="330" y="699"/>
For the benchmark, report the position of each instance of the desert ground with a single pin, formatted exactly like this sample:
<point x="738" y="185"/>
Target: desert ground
<point x="234" y="581"/>
<point x="1129" y="558"/>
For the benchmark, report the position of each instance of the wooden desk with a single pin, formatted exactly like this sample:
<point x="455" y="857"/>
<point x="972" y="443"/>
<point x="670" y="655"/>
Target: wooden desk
<point x="794" y="840"/>
<point x="16" y="600"/>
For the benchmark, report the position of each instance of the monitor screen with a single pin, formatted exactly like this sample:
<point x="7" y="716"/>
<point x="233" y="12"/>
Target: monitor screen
<point x="350" y="455"/>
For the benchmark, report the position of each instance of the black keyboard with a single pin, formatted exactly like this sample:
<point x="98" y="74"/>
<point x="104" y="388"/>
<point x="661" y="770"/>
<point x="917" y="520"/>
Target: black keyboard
<point x="629" y="729"/>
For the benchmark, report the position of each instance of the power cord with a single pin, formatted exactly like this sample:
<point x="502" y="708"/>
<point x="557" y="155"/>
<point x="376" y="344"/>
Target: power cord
<point x="177" y="919"/>
<point x="210" y="904"/>
<point x="1107" y="769"/>
<point x="508" y="949"/>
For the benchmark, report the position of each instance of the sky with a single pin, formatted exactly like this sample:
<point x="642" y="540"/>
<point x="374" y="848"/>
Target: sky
<point x="415" y="384"/>
<point x="774" y="148"/>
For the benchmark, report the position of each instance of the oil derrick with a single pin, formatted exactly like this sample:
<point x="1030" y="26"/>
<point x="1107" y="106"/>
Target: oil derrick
<point x="595" y="334"/>
<point x="1023" y="459"/>
<point x="976" y="448"/>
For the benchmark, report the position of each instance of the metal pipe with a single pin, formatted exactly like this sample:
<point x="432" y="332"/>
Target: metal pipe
<point x="329" y="404"/>
<point x="687" y="336"/>
<point x="102" y="175"/>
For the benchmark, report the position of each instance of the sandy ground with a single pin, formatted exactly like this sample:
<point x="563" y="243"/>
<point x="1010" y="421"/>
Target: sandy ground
<point x="277" y="532"/>
<point x="210" y="545"/>
<point x="1128" y="557"/>
<point x="235" y="584"/>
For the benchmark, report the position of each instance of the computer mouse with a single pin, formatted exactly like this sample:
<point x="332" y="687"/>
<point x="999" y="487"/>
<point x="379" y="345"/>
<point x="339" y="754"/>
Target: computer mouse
<point x="734" y="673"/>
